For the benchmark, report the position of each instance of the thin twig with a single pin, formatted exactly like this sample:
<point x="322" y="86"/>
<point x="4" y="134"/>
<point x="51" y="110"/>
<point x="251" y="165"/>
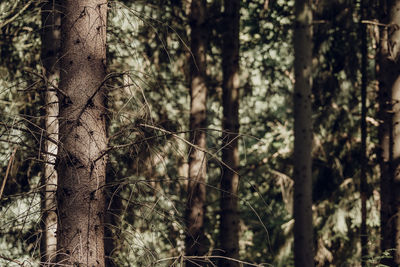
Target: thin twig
<point x="7" y="171"/>
<point x="11" y="260"/>
<point x="90" y="99"/>
<point x="207" y="258"/>
<point x="189" y="143"/>
<point x="43" y="77"/>
<point x="372" y="22"/>
<point x="16" y="15"/>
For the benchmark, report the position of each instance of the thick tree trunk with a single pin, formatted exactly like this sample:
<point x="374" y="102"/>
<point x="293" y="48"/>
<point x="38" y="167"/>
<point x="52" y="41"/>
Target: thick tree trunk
<point x="389" y="133"/>
<point x="364" y="159"/>
<point x="51" y="20"/>
<point x="81" y="164"/>
<point x="229" y="224"/>
<point x="196" y="242"/>
<point x="302" y="202"/>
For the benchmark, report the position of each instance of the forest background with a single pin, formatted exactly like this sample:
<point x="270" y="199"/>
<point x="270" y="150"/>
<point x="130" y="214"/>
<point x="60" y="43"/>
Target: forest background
<point x="149" y="66"/>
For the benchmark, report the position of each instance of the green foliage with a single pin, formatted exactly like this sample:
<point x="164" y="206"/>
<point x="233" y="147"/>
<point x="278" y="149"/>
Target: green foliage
<point x="148" y="111"/>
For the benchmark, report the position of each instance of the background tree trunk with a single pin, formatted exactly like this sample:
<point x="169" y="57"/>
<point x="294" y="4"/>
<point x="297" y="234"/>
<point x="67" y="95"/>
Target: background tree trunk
<point x="302" y="202"/>
<point x="51" y="20"/>
<point x="196" y="242"/>
<point x="229" y="224"/>
<point x="389" y="100"/>
<point x="364" y="159"/>
<point x="81" y="162"/>
<point x="384" y="133"/>
<point x="112" y="221"/>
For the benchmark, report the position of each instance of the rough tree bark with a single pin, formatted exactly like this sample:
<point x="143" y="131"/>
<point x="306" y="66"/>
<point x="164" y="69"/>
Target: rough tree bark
<point x="302" y="202"/>
<point x="81" y="162"/>
<point x="196" y="242"/>
<point x="229" y="223"/>
<point x="389" y="130"/>
<point x="50" y="36"/>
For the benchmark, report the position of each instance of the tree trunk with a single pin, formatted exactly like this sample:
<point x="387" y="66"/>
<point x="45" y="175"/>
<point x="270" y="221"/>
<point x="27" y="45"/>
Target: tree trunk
<point x="364" y="158"/>
<point x="112" y="221"/>
<point x="389" y="131"/>
<point x="229" y="224"/>
<point x="196" y="242"/>
<point x="302" y="202"/>
<point x="81" y="163"/>
<point x="50" y="50"/>
<point x="384" y="135"/>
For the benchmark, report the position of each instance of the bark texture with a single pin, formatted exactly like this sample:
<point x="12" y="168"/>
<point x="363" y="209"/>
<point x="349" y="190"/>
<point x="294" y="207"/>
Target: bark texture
<point x="302" y="202"/>
<point x="51" y="21"/>
<point x="229" y="224"/>
<point x="196" y="242"/>
<point x="81" y="162"/>
<point x="389" y="130"/>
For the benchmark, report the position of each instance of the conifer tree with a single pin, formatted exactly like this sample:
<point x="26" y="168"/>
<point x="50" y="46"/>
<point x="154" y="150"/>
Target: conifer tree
<point x="81" y="159"/>
<point x="229" y="223"/>
<point x="389" y="130"/>
<point x="302" y="198"/>
<point x="196" y="241"/>
<point x="50" y="36"/>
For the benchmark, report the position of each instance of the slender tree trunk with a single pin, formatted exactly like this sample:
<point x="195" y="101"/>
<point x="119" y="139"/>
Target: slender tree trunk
<point x="364" y="160"/>
<point x="229" y="224"/>
<point x="196" y="242"/>
<point x="114" y="208"/>
<point x="81" y="163"/>
<point x="51" y="20"/>
<point x="302" y="205"/>
<point x="384" y="133"/>
<point x="389" y="99"/>
<point x="112" y="221"/>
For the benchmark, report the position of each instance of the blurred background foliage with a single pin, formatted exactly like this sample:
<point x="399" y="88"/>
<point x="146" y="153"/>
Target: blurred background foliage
<point x="148" y="113"/>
